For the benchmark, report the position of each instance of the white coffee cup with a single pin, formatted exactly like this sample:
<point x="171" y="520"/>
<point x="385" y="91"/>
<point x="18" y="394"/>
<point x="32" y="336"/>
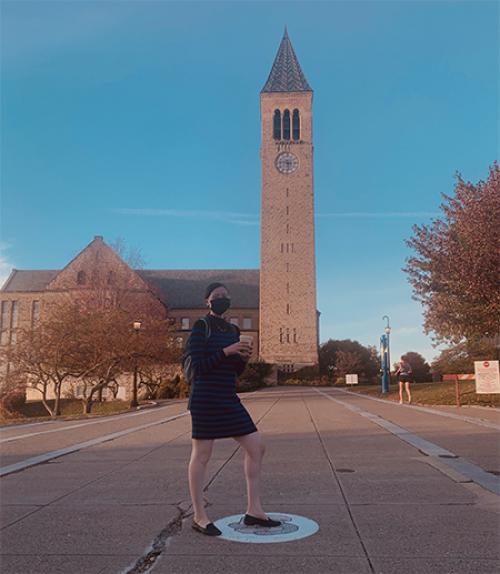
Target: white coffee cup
<point x="248" y="339"/>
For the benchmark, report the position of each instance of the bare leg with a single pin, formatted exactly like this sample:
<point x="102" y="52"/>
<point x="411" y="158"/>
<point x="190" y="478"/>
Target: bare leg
<point x="200" y="455"/>
<point x="400" y="392"/>
<point x="408" y="393"/>
<point x="254" y="447"/>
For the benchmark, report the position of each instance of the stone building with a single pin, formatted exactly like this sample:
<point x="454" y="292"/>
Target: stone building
<point x="276" y="304"/>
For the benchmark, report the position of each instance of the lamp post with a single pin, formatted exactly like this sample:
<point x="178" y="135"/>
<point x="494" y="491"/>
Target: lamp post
<point x="388" y="332"/>
<point x="385" y="356"/>
<point x="134" y="403"/>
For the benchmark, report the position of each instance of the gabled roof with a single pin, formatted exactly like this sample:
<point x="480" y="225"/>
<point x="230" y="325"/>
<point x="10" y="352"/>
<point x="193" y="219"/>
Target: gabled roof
<point x="178" y="289"/>
<point x="185" y="288"/>
<point x="29" y="280"/>
<point x="286" y="74"/>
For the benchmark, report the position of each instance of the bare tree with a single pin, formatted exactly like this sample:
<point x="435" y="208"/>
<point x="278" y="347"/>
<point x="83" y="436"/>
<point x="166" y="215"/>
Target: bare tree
<point x="113" y="349"/>
<point x="132" y="255"/>
<point x="46" y="356"/>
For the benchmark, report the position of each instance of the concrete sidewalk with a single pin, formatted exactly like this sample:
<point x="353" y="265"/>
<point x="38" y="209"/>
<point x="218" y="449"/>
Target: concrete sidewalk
<point x="381" y="507"/>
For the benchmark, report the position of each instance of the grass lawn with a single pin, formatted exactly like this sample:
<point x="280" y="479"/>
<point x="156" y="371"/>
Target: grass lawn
<point x="34" y="411"/>
<point x="433" y="394"/>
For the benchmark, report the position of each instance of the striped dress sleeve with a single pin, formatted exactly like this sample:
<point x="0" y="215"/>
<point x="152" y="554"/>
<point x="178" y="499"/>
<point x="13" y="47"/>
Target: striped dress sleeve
<point x="201" y="362"/>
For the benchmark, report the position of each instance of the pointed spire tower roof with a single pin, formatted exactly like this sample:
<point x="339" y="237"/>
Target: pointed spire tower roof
<point x="286" y="74"/>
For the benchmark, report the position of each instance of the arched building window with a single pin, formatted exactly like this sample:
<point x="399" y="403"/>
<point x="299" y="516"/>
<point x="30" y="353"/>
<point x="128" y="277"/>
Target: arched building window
<point x="277" y="125"/>
<point x="81" y="278"/>
<point x="296" y="125"/>
<point x="286" y="125"/>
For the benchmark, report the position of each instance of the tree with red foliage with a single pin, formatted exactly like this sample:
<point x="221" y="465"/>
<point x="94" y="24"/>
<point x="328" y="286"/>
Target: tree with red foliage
<point x="455" y="270"/>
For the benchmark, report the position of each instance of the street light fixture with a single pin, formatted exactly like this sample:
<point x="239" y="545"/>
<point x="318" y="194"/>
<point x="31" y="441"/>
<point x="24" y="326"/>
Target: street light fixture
<point x="134" y="402"/>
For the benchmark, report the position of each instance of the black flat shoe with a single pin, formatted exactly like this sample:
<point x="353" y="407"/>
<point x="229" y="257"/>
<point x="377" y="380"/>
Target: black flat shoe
<point x="254" y="521"/>
<point x="209" y="530"/>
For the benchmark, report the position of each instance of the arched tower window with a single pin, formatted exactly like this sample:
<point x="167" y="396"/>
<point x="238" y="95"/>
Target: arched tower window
<point x="286" y="125"/>
<point x="296" y="125"/>
<point x="81" y="278"/>
<point x="277" y="125"/>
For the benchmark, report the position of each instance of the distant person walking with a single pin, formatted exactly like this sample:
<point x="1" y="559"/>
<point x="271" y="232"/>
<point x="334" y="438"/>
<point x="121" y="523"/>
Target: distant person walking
<point x="405" y="377"/>
<point x="217" y="358"/>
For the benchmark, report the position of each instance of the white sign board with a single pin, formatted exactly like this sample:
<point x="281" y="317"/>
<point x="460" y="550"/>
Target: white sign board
<point x="487" y="377"/>
<point x="351" y="379"/>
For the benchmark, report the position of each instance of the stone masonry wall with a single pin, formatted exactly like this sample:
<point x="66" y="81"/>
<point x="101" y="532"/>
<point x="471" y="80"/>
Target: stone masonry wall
<point x="288" y="321"/>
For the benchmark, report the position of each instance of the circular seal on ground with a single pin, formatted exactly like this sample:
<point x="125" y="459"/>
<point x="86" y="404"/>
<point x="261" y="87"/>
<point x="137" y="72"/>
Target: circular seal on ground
<point x="292" y="527"/>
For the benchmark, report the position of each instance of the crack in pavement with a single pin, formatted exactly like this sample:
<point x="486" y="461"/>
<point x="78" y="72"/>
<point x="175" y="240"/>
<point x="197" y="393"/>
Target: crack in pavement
<point x="146" y="562"/>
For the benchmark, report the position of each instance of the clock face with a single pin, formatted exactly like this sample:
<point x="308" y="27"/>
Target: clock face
<point x="287" y="162"/>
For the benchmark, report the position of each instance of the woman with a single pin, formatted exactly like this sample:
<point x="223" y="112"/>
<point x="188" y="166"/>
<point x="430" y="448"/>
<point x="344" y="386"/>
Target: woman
<point x="405" y="377"/>
<point x="216" y="410"/>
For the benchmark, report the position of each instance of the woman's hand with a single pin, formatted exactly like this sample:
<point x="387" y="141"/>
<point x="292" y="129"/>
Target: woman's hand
<point x="244" y="350"/>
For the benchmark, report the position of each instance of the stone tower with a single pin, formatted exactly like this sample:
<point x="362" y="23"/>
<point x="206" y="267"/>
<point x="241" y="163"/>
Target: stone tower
<point x="288" y="316"/>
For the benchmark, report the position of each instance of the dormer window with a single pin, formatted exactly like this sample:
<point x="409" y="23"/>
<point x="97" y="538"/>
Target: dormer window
<point x="81" y="278"/>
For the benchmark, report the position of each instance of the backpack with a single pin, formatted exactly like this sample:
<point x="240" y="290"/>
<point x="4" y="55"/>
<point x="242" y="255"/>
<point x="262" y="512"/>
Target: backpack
<point x="187" y="361"/>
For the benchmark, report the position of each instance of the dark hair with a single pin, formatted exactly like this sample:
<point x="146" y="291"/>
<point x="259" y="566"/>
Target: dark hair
<point x="213" y="287"/>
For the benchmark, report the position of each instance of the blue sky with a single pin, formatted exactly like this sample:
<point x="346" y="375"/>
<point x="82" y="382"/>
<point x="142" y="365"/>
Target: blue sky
<point x="141" y="120"/>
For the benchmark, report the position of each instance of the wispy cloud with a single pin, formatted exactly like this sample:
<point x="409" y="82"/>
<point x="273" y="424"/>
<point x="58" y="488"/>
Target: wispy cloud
<point x="253" y="218"/>
<point x="227" y="216"/>
<point x="379" y="214"/>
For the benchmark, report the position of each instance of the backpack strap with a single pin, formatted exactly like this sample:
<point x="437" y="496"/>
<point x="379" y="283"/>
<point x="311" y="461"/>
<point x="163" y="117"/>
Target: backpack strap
<point x="208" y="331"/>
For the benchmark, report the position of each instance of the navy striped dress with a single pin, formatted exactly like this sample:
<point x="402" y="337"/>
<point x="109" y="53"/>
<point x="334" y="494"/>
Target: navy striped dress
<point x="216" y="410"/>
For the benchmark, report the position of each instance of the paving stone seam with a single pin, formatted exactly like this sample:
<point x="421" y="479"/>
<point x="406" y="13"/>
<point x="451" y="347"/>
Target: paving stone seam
<point x="147" y="561"/>
<point x="458" y="464"/>
<point x="475" y="421"/>
<point x="22" y="465"/>
<point x="214" y="477"/>
<point x="341" y="488"/>
<point x="321" y="555"/>
<point x="101" y="477"/>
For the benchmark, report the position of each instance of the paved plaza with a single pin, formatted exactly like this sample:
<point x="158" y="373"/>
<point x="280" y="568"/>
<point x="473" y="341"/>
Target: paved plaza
<point x="393" y="489"/>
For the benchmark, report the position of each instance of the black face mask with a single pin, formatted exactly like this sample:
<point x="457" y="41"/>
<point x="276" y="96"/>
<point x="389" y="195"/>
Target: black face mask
<point x="220" y="306"/>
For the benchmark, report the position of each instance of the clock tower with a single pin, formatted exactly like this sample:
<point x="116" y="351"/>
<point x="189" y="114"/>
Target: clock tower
<point x="288" y="316"/>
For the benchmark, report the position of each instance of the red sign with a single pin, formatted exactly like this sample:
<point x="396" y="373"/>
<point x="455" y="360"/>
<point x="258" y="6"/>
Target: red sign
<point x="486" y="364"/>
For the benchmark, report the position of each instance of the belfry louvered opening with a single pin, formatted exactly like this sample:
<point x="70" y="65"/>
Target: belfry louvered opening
<point x="277" y="125"/>
<point x="286" y="126"/>
<point x="296" y="125"/>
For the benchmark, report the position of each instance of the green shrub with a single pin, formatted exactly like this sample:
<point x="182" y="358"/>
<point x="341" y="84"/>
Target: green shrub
<point x="248" y="386"/>
<point x="176" y="388"/>
<point x="183" y="389"/>
<point x="305" y="374"/>
<point x="13" y="402"/>
<point x="256" y="372"/>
